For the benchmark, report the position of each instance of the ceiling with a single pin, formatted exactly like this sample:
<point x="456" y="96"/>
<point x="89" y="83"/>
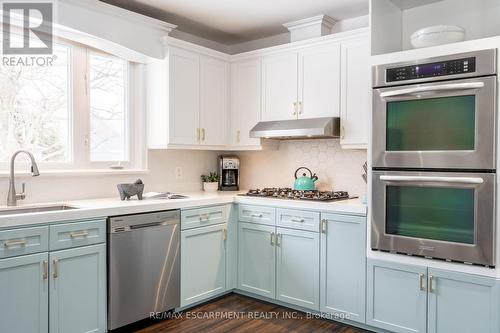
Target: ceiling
<point x="236" y="21"/>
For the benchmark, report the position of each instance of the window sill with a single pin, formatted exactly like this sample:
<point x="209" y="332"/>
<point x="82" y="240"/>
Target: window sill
<point x="69" y="173"/>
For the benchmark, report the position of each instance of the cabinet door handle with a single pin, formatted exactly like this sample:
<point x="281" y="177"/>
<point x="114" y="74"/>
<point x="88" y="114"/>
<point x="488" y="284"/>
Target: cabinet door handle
<point x="202" y="134"/>
<point x="238" y="136"/>
<point x="278" y="239"/>
<point x="431" y="279"/>
<point x="294" y="108"/>
<point x="323" y="226"/>
<point x="342" y="132"/>
<point x="198" y="135"/>
<point x="421" y="285"/>
<point x="45" y="265"/>
<point x="55" y="266"/>
<point x="16" y="242"/>
<point x="224" y="235"/>
<point x="272" y="238"/>
<point x="301" y="109"/>
<point x="77" y="234"/>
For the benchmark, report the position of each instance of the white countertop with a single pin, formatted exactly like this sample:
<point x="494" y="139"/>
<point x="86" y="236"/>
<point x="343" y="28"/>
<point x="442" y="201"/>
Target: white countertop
<point x="98" y="208"/>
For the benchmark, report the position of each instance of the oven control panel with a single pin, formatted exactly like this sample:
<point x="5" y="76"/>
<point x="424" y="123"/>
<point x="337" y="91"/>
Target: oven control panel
<point x="444" y="68"/>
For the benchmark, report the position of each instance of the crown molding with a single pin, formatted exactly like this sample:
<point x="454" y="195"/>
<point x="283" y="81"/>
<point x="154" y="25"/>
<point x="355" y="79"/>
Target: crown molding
<point x="324" y="20"/>
<point x="121" y="13"/>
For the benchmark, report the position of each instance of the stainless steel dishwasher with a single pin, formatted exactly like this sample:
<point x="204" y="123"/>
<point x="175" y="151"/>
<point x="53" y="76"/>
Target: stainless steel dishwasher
<point x="143" y="266"/>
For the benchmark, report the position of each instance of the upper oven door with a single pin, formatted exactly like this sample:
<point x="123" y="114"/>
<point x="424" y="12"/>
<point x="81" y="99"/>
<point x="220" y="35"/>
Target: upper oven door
<point x="444" y="125"/>
<point x="447" y="215"/>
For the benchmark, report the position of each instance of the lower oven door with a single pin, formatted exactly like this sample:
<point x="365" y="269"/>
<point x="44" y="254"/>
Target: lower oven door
<point x="435" y="214"/>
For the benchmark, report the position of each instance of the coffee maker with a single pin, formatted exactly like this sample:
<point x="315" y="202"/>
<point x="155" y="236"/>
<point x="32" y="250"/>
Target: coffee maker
<point x="229" y="171"/>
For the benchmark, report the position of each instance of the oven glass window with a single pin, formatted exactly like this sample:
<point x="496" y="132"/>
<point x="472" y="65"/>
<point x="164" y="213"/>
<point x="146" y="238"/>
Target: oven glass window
<point x="445" y="123"/>
<point x="437" y="213"/>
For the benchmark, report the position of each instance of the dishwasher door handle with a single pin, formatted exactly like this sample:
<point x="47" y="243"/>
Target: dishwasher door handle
<point x="147" y="225"/>
<point x="124" y="228"/>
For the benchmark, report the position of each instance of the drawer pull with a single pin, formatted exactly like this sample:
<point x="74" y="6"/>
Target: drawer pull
<point x="79" y="234"/>
<point x="17" y="242"/>
<point x="298" y="220"/>
<point x="55" y="265"/>
<point x="45" y="274"/>
<point x="205" y="217"/>
<point x="257" y="215"/>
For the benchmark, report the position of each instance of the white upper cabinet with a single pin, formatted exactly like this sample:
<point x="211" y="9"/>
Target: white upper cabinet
<point x="279" y="86"/>
<point x="203" y="99"/>
<point x="184" y="96"/>
<point x="213" y="101"/>
<point x="319" y="81"/>
<point x="189" y="109"/>
<point x="245" y="101"/>
<point x="303" y="83"/>
<point x="355" y="93"/>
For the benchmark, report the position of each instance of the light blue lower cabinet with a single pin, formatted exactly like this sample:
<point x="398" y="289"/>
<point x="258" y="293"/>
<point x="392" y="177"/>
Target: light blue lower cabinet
<point x="24" y="293"/>
<point x="396" y="297"/>
<point x="256" y="259"/>
<point x="203" y="263"/>
<point x="78" y="290"/>
<point x="343" y="266"/>
<point x="297" y="267"/>
<point x="462" y="303"/>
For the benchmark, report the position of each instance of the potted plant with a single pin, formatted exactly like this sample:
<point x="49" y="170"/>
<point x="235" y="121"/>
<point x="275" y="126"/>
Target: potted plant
<point x="210" y="182"/>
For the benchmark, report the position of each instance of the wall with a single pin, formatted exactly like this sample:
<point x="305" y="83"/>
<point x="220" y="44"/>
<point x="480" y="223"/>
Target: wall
<point x="336" y="168"/>
<point x="162" y="164"/>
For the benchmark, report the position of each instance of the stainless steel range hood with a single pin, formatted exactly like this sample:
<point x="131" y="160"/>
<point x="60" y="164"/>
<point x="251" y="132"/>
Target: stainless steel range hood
<point x="297" y="129"/>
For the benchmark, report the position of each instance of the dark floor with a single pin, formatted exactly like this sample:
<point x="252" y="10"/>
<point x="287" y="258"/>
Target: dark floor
<point x="236" y="313"/>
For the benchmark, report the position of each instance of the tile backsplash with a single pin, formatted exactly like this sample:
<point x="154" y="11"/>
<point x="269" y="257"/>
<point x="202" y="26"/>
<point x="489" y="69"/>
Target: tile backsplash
<point x="337" y="168"/>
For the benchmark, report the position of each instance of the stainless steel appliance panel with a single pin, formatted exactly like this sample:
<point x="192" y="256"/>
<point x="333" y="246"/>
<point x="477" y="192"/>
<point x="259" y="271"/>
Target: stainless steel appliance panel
<point x="485" y="64"/>
<point x="453" y="212"/>
<point x="144" y="266"/>
<point x="480" y="155"/>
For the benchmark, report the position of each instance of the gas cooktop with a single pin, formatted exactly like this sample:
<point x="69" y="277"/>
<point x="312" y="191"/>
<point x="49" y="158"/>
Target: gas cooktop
<point x="288" y="193"/>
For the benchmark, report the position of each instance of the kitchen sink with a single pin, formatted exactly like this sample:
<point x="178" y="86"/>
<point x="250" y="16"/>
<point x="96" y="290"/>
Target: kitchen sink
<point x="34" y="209"/>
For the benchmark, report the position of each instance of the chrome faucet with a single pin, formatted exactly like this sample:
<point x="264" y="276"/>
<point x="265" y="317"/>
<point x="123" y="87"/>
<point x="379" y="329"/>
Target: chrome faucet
<point x="12" y="197"/>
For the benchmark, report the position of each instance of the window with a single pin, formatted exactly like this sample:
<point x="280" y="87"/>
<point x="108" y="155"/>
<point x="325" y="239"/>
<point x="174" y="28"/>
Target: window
<point x="36" y="108"/>
<point x="74" y="114"/>
<point x="108" y="116"/>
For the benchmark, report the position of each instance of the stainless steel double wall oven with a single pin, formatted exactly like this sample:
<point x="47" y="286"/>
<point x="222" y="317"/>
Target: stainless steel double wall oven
<point x="434" y="157"/>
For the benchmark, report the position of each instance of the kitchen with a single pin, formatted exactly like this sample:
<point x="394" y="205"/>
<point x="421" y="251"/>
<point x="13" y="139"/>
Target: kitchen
<point x="323" y="166"/>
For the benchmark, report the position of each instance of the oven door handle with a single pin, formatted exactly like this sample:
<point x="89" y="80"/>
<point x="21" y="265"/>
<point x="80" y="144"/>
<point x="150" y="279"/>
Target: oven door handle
<point x="430" y="179"/>
<point x="441" y="87"/>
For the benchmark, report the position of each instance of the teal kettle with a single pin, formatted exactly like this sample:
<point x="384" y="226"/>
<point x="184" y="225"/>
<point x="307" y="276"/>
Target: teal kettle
<point x="305" y="183"/>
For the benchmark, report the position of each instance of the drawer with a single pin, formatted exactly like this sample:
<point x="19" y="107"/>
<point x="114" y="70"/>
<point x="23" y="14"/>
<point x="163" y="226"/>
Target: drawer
<point x="63" y="236"/>
<point x="200" y="217"/>
<point x="257" y="214"/>
<point x="18" y="242"/>
<point x="297" y="219"/>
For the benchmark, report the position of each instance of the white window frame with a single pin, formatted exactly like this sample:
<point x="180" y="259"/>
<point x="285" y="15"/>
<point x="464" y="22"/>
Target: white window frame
<point x="79" y="120"/>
